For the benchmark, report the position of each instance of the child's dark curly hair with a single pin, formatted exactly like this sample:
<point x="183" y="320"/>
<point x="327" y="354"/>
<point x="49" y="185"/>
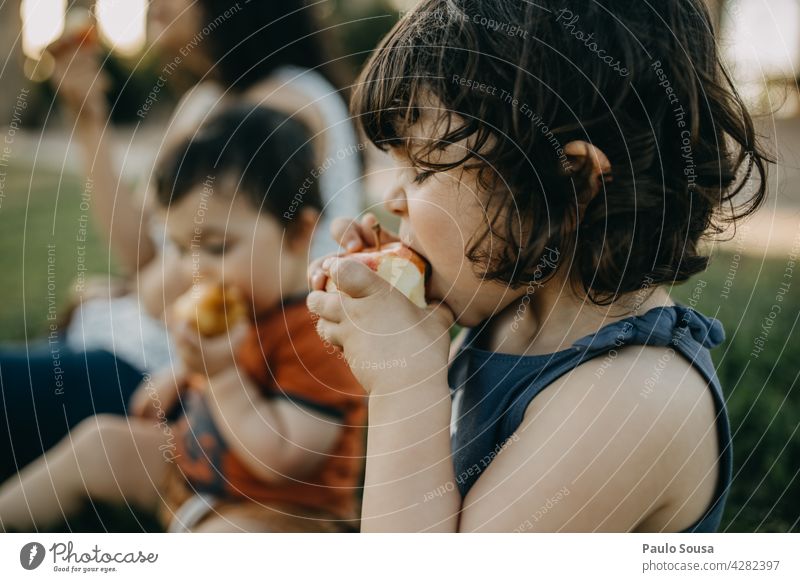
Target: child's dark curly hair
<point x="641" y="81"/>
<point x="269" y="154"/>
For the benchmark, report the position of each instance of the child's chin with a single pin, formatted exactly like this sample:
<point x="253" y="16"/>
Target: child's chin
<point x="463" y="318"/>
<point x="467" y="320"/>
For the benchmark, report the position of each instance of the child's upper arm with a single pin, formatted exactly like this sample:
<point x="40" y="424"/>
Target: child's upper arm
<point x="310" y="396"/>
<point x="600" y="454"/>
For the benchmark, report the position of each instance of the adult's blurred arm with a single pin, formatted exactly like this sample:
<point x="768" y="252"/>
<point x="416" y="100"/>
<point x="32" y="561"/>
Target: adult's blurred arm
<point x="81" y="85"/>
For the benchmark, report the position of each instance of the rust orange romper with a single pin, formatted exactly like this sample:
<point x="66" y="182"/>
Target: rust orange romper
<point x="287" y="359"/>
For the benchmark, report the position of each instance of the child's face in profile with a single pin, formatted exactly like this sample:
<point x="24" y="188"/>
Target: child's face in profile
<point x="224" y="239"/>
<point x="439" y="215"/>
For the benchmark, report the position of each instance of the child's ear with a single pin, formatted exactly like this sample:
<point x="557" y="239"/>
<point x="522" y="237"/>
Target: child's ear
<point x="302" y="229"/>
<point x="580" y="152"/>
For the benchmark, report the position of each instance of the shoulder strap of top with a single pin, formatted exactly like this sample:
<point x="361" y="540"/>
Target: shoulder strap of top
<point x="679" y="327"/>
<point x="682" y="328"/>
<point x="660" y="326"/>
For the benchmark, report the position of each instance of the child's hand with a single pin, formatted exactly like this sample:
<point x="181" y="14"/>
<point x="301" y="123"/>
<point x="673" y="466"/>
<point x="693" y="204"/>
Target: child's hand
<point x="156" y="396"/>
<point x="389" y="343"/>
<point x="209" y="356"/>
<point x="79" y="79"/>
<point x="355" y="237"/>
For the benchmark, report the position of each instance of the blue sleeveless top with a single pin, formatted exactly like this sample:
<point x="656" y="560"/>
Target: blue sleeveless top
<point x="493" y="390"/>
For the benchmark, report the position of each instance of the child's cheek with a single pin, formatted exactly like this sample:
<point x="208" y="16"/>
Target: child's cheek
<point x="435" y="226"/>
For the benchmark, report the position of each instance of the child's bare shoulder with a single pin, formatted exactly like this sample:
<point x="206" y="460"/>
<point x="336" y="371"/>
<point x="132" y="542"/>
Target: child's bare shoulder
<point x="667" y="393"/>
<point x="651" y="418"/>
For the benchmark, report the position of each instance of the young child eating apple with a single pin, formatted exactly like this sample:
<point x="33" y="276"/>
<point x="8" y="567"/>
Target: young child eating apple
<point x="272" y="430"/>
<point x="557" y="196"/>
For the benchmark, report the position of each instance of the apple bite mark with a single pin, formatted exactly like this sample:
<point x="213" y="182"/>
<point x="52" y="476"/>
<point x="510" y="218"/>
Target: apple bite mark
<point x="212" y="309"/>
<point x="397" y="264"/>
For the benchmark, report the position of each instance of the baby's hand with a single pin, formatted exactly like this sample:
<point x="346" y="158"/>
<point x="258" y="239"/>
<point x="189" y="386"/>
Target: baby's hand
<point x="156" y="396"/>
<point x="209" y="356"/>
<point x="355" y="237"/>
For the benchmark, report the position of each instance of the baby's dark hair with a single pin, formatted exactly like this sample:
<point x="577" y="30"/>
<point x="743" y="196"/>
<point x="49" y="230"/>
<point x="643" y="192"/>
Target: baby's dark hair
<point x="268" y="154"/>
<point x="641" y="81"/>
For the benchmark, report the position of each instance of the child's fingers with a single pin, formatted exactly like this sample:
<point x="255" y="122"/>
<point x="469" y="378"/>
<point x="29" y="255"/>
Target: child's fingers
<point x="314" y="266"/>
<point x="188" y="333"/>
<point x="355" y="278"/>
<point x="223" y="343"/>
<point x="190" y="357"/>
<point x="368" y="224"/>
<point x="326" y="305"/>
<point x="347" y="232"/>
<point x="357" y="236"/>
<point x="318" y="279"/>
<point x="187" y="342"/>
<point x="238" y="333"/>
<point x="329" y="332"/>
<point x="316" y="276"/>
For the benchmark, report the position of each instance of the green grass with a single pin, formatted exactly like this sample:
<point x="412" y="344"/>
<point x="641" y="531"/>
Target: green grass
<point x="762" y="392"/>
<point x="761" y="388"/>
<point x="41" y="222"/>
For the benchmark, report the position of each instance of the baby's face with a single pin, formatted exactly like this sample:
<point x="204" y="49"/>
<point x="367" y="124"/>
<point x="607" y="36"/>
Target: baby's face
<point x="222" y="238"/>
<point x="440" y="215"/>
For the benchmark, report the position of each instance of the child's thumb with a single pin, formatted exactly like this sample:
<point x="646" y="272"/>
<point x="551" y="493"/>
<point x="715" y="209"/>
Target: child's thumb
<point x="355" y="279"/>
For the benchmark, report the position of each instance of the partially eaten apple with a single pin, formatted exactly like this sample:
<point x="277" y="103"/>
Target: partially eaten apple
<point x="397" y="264"/>
<point x="212" y="308"/>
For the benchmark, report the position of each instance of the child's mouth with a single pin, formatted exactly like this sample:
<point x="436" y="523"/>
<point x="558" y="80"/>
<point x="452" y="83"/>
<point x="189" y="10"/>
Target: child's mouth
<point x="407" y="240"/>
<point x="428" y="270"/>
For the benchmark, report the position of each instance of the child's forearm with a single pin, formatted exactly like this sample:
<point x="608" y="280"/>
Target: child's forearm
<point x="410" y="479"/>
<point x="255" y="428"/>
<point x="236" y="406"/>
<point x="116" y="210"/>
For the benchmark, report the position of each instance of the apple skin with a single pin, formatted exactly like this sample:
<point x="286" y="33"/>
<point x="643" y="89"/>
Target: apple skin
<point x="212" y="308"/>
<point x="397" y="264"/>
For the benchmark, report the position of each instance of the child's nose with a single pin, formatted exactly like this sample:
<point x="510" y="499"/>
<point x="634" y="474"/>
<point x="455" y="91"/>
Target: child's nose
<point x="197" y="266"/>
<point x="209" y="269"/>
<point x="395" y="199"/>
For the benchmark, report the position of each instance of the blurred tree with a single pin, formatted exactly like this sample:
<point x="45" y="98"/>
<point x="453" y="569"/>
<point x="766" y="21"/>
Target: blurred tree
<point x="359" y="26"/>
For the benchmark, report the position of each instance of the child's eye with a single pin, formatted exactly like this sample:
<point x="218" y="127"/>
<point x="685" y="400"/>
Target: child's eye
<point x="422" y="176"/>
<point x="215" y="248"/>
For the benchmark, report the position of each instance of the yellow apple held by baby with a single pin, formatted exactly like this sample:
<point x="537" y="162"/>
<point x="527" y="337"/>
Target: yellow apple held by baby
<point x="211" y="308"/>
<point x="397" y="264"/>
